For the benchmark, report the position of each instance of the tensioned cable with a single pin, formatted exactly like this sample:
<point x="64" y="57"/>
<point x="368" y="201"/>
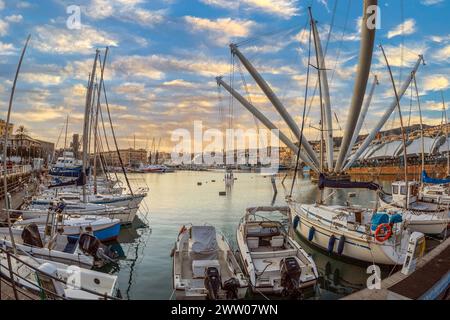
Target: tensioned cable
<point x="304" y="112"/>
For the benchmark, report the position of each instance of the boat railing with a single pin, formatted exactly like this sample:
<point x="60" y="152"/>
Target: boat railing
<point x="15" y="278"/>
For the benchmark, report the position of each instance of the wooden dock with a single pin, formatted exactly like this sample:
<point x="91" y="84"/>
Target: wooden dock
<point x="7" y="292"/>
<point x="430" y="280"/>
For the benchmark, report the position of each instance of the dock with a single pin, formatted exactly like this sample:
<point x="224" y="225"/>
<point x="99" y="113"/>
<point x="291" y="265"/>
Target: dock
<point x="430" y="280"/>
<point x="7" y="292"/>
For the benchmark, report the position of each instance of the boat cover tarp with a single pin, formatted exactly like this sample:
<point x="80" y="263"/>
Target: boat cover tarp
<point x="379" y="218"/>
<point x="204" y="242"/>
<point x="58" y="183"/>
<point x="324" y="182"/>
<point x="427" y="179"/>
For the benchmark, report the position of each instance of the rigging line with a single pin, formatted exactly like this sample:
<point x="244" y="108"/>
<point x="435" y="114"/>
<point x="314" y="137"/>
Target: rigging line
<point x="114" y="138"/>
<point x="402" y="50"/>
<point x="304" y="111"/>
<point x="248" y="95"/>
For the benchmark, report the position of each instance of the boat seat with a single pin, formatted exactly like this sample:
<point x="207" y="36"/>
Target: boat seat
<point x="199" y="267"/>
<point x="253" y="242"/>
<point x="277" y="241"/>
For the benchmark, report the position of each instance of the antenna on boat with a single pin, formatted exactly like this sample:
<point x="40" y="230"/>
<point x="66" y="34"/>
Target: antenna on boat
<point x="5" y="146"/>
<point x="446" y="132"/>
<point x="421" y="129"/>
<point x="405" y="157"/>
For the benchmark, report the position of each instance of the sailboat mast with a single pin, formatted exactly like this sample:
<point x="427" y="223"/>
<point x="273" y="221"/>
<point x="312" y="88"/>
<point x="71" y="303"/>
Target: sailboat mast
<point x="405" y="156"/>
<point x="65" y="137"/>
<point x="86" y="130"/>
<point x="444" y="112"/>
<point x="422" y="138"/>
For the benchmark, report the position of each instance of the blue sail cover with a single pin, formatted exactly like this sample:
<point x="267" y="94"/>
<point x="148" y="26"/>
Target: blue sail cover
<point x="324" y="182"/>
<point x="427" y="179"/>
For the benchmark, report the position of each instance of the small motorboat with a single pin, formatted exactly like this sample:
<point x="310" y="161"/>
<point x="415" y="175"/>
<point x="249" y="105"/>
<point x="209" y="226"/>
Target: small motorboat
<point x="75" y="283"/>
<point x="274" y="262"/>
<point x="204" y="266"/>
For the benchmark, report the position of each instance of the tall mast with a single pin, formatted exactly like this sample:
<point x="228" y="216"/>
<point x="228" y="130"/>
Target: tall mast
<point x="65" y="137"/>
<point x="385" y="116"/>
<point x="405" y="156"/>
<point x="265" y="121"/>
<point x="5" y="146"/>
<point x="365" y="61"/>
<point x="422" y="138"/>
<point x="96" y="135"/>
<point x="446" y="132"/>
<point x="275" y="102"/>
<point x="86" y="130"/>
<point x="325" y="92"/>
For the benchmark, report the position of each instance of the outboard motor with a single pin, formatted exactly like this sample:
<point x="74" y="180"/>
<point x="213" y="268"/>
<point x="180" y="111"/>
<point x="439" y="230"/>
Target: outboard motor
<point x="290" y="276"/>
<point x="212" y="282"/>
<point x="231" y="287"/>
<point x="90" y="245"/>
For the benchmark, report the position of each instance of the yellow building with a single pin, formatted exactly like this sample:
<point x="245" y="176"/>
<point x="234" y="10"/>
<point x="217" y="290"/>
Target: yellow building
<point x="3" y="126"/>
<point x="129" y="157"/>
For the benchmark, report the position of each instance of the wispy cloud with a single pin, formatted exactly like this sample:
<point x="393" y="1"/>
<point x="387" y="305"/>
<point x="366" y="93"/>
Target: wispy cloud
<point x="431" y="2"/>
<point x="406" y="28"/>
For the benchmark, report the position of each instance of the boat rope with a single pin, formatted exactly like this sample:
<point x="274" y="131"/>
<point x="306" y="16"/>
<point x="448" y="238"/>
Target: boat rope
<point x="115" y="140"/>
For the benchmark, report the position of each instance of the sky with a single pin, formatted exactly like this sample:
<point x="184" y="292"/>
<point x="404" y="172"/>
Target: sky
<point x="164" y="56"/>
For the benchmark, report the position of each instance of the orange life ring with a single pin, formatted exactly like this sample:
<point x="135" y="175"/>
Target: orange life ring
<point x="383" y="232"/>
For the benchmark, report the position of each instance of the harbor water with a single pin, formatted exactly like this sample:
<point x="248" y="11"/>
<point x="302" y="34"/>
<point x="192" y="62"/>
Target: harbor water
<point x="176" y="199"/>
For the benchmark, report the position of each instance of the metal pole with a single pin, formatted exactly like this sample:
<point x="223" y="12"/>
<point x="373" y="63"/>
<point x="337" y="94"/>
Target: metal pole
<point x="365" y="61"/>
<point x="323" y="83"/>
<point x="275" y="102"/>
<point x="5" y="145"/>
<point x="266" y="122"/>
<point x="11" y="275"/>
<point x="385" y="117"/>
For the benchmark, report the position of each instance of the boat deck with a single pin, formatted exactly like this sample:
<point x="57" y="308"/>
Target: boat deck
<point x="430" y="280"/>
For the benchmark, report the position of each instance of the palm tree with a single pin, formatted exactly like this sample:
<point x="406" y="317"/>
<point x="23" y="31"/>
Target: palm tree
<point x="21" y="132"/>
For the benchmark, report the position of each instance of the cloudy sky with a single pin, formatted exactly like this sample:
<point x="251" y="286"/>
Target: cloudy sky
<point x="164" y="55"/>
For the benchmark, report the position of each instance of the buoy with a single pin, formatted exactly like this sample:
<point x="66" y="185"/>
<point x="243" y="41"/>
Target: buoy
<point x="331" y="244"/>
<point x="222" y="193"/>
<point x="213" y="180"/>
<point x="311" y="233"/>
<point x="199" y="183"/>
<point x="295" y="222"/>
<point x="341" y="245"/>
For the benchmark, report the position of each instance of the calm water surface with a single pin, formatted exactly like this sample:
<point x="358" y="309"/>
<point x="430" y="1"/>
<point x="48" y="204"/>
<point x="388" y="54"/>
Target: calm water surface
<point x="175" y="199"/>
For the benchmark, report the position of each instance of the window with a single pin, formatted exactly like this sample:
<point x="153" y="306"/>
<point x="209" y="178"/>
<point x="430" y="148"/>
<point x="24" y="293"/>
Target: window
<point x="403" y="190"/>
<point x="394" y="189"/>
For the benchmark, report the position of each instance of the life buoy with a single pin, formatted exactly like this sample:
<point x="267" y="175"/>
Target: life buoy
<point x="383" y="232"/>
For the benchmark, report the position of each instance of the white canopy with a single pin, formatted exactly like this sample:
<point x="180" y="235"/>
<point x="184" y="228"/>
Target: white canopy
<point x="388" y="150"/>
<point x="415" y="147"/>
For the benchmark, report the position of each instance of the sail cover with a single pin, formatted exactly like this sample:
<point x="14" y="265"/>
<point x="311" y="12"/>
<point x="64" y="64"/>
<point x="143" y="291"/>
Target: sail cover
<point x="427" y="179"/>
<point x="324" y="182"/>
<point x="58" y="183"/>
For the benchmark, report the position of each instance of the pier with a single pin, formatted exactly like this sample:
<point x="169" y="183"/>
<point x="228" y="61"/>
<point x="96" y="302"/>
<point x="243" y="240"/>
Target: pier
<point x="430" y="280"/>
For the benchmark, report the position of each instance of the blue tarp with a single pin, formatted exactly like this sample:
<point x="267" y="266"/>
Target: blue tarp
<point x="379" y="218"/>
<point x="427" y="179"/>
<point x="396" y="218"/>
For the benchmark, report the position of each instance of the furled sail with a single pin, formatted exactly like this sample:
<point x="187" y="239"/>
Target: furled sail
<point x="325" y="182"/>
<point x="427" y="179"/>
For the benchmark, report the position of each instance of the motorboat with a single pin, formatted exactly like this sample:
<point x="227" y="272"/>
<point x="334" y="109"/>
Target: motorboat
<point x="54" y="280"/>
<point x="204" y="266"/>
<point x="425" y="217"/>
<point x="274" y="262"/>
